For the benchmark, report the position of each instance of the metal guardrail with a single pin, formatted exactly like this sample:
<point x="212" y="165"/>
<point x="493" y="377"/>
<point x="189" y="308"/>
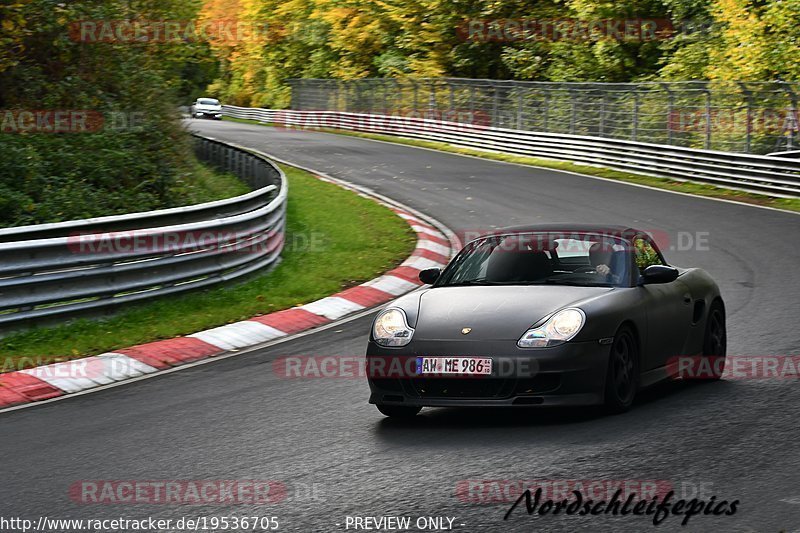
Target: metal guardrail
<point x="773" y="176"/>
<point x="788" y="153"/>
<point x="750" y="117"/>
<point x="53" y="272"/>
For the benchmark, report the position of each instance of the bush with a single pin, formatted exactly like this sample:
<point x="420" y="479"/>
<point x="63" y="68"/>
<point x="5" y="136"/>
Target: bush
<point x="135" y="164"/>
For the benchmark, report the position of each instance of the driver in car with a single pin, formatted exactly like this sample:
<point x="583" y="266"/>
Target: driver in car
<point x="601" y="257"/>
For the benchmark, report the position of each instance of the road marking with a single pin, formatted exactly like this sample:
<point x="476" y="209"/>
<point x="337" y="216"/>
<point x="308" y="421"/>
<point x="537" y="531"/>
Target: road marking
<point x="238" y="338"/>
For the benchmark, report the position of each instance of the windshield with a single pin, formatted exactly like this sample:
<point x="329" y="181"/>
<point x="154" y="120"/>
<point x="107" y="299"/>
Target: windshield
<point x="207" y="101"/>
<point x="541" y="259"/>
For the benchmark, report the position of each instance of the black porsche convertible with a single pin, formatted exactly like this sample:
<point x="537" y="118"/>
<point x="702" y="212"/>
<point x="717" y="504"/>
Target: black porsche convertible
<point x="543" y="315"/>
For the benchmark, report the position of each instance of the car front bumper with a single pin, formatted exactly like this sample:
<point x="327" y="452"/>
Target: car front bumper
<point x="212" y="114"/>
<point x="572" y="374"/>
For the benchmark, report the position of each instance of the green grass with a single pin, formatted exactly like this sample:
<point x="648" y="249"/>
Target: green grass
<point x="335" y="239"/>
<point x="205" y="184"/>
<point x="699" y="189"/>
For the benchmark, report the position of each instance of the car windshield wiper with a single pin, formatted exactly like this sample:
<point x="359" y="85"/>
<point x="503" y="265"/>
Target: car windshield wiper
<point x="476" y="281"/>
<point x="575" y="283"/>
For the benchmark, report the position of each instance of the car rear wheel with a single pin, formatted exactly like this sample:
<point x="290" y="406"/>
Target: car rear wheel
<point x="622" y="376"/>
<point x="398" y="411"/>
<point x="715" y="342"/>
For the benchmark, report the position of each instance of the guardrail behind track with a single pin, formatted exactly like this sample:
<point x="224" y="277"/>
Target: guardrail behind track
<point x="773" y="176"/>
<point x="54" y="272"/>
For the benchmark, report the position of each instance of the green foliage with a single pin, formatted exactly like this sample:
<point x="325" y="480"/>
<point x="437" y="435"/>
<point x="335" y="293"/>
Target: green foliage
<point x="46" y="177"/>
<point x="323" y="255"/>
<point x="711" y="39"/>
<point x="645" y="254"/>
<point x="139" y="156"/>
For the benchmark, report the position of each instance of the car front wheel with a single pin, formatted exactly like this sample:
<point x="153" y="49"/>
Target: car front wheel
<point x="398" y="411"/>
<point x="715" y="340"/>
<point x="622" y="376"/>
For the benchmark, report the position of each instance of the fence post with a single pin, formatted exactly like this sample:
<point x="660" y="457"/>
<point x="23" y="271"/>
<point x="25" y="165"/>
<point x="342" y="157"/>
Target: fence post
<point x="707" y="142"/>
<point x="670" y="110"/>
<point x="543" y="105"/>
<point x="749" y="110"/>
<point x="546" y="119"/>
<point x="472" y="99"/>
<point x="451" y="97"/>
<point x="573" y="111"/>
<point x="602" y="124"/>
<point x="495" y="104"/>
<point x="792" y="123"/>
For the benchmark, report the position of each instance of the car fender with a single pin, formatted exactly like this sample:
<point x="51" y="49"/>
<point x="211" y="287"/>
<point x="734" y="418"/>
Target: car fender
<point x="605" y="315"/>
<point x="409" y="303"/>
<point x="704" y="291"/>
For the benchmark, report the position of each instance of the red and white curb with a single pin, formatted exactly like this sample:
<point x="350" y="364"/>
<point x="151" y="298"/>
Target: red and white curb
<point x="435" y="245"/>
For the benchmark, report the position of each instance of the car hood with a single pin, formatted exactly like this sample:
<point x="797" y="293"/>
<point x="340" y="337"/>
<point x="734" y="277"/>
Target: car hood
<point x="493" y="313"/>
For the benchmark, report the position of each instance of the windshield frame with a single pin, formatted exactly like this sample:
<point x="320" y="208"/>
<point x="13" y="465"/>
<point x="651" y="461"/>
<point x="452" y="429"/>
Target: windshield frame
<point x="628" y="279"/>
<point x="205" y="101"/>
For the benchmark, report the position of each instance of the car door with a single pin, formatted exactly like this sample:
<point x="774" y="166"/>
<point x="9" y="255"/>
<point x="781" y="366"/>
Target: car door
<point x="668" y="307"/>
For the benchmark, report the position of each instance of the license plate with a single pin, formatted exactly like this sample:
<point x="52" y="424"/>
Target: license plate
<point x="481" y="366"/>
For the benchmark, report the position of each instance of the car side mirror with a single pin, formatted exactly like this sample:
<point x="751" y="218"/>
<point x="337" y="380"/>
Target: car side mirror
<point x="658" y="274"/>
<point x="429" y="275"/>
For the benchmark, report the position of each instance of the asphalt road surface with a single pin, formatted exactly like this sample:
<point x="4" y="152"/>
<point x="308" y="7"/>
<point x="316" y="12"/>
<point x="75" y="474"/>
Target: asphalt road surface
<point x="236" y="419"/>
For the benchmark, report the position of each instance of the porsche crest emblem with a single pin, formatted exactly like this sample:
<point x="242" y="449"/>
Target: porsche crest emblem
<point x="465" y="331"/>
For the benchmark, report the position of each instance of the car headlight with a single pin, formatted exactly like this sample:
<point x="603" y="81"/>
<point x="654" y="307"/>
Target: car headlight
<point x="558" y="329"/>
<point x="391" y="328"/>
